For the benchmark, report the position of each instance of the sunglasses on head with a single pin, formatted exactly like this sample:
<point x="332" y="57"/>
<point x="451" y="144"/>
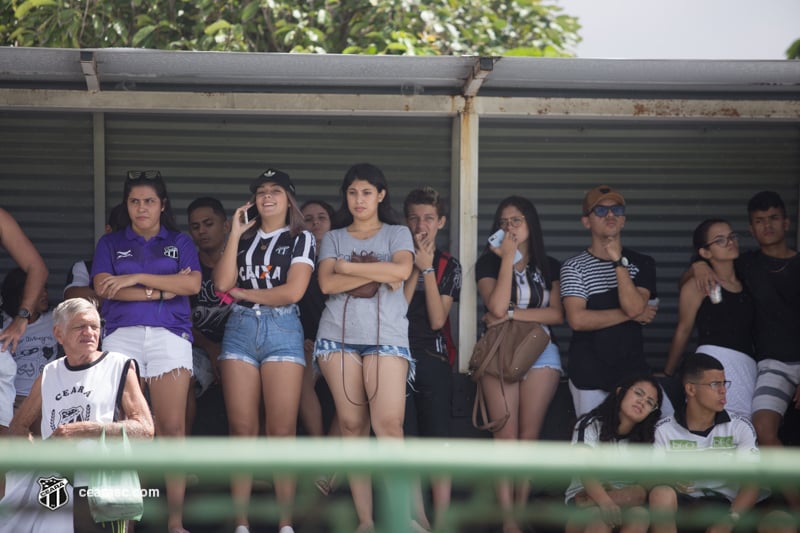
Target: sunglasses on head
<point x="602" y="210"/>
<point x="134" y="175"/>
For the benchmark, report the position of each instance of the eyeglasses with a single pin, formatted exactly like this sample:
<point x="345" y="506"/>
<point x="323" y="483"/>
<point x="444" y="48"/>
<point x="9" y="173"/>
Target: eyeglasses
<point x="134" y="175"/>
<point x="514" y="222"/>
<point x="723" y="241"/>
<point x="642" y="395"/>
<point x="715" y="385"/>
<point x="602" y="210"/>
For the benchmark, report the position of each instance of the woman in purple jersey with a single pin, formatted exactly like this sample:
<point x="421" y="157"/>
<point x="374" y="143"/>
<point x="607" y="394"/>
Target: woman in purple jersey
<point x="146" y="272"/>
<point x="262" y="350"/>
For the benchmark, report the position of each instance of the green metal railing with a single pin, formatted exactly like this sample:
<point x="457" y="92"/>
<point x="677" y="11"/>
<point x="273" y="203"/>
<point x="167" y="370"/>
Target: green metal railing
<point x="395" y="465"/>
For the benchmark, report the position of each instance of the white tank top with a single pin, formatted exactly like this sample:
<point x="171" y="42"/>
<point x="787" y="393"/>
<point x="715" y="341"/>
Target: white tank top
<point x="84" y="393"/>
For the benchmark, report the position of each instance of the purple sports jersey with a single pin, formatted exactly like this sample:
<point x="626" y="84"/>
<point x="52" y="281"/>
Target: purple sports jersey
<point x="125" y="252"/>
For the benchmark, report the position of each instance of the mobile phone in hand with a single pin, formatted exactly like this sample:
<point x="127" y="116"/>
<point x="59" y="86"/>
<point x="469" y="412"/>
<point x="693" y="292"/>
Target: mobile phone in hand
<point x="496" y="240"/>
<point x="250" y="214"/>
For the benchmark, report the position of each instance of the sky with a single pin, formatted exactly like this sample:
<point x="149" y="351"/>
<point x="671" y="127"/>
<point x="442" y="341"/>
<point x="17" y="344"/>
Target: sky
<point x="685" y="29"/>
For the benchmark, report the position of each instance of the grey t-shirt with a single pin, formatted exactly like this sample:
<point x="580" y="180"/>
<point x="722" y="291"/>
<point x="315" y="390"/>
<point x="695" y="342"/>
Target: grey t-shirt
<point x="361" y="322"/>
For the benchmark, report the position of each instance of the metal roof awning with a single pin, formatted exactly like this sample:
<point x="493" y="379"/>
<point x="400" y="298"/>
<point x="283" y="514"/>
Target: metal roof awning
<point x="136" y="69"/>
<point x="139" y="80"/>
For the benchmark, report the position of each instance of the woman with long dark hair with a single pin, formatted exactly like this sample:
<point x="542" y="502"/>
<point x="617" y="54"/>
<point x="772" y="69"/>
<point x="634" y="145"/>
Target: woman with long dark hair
<point x="362" y="342"/>
<point x="146" y="273"/>
<point x="627" y="415"/>
<point x="528" y="289"/>
<point x="724" y="326"/>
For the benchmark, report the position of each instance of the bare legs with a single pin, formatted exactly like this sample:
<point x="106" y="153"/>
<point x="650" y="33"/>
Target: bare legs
<point x="528" y="402"/>
<point x="168" y="394"/>
<point x="243" y="385"/>
<point x="310" y="408"/>
<point x="353" y="380"/>
<point x="663" y="506"/>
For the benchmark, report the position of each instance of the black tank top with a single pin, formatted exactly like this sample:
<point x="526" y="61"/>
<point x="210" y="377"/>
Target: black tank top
<point x="729" y="323"/>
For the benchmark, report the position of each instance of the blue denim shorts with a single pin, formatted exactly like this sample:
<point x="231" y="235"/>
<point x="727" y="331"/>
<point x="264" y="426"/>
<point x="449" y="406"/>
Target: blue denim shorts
<point x="262" y="335"/>
<point x="323" y="348"/>
<point x="550" y="358"/>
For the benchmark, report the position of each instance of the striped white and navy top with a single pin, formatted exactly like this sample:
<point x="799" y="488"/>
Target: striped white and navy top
<point x="601" y="358"/>
<point x="263" y="260"/>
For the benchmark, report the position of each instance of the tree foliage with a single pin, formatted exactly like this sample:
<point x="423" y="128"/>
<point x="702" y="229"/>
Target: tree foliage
<point x="410" y="27"/>
<point x="794" y="50"/>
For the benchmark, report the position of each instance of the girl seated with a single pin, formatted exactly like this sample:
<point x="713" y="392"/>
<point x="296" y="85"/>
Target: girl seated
<point x="628" y="415"/>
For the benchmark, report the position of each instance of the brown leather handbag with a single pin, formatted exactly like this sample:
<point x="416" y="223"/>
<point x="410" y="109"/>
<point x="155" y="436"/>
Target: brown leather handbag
<point x="368" y="290"/>
<point x="507" y="350"/>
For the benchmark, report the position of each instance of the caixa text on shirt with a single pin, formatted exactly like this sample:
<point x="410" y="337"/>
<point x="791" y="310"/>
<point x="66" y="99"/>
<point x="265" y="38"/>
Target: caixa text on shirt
<point x="259" y="272"/>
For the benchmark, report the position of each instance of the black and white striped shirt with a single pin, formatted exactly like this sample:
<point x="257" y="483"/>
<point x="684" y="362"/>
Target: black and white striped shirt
<point x="263" y="260"/>
<point x="601" y="358"/>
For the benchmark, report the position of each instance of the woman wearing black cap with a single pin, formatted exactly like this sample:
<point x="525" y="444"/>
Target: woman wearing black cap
<point x="262" y="349"/>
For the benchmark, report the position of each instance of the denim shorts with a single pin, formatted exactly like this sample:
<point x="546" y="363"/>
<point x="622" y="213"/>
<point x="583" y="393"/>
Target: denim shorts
<point x="323" y="349"/>
<point x="262" y="335"/>
<point x="550" y="358"/>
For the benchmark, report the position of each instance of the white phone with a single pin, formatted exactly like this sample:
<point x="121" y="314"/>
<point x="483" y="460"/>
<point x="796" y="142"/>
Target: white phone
<point x="496" y="240"/>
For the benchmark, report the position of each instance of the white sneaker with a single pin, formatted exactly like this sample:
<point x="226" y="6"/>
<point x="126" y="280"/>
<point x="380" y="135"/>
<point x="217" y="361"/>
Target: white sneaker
<point x="286" y="529"/>
<point x="241" y="529"/>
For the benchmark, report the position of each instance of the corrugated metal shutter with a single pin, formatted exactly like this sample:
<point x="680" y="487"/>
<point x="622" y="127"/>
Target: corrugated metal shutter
<point x="46" y="183"/>
<point x="672" y="174"/>
<point x="219" y="155"/>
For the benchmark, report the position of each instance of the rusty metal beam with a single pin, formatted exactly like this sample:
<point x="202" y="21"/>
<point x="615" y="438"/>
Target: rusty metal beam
<point x="480" y="70"/>
<point x="397" y="105"/>
<point x="229" y="103"/>
<point x="627" y="108"/>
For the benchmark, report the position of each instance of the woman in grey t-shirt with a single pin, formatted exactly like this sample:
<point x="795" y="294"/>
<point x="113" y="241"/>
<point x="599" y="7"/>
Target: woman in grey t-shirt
<point x="362" y="343"/>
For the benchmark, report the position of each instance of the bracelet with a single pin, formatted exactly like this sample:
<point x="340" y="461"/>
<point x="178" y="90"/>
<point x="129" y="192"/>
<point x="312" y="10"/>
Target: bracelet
<point x="428" y="270"/>
<point x="148" y="292"/>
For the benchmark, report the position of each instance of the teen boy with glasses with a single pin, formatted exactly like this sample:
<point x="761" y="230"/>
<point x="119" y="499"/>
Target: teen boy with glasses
<point x="704" y="425"/>
<point x="605" y="290"/>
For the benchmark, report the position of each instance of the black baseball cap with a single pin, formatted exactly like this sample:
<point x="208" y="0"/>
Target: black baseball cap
<point x="272" y="175"/>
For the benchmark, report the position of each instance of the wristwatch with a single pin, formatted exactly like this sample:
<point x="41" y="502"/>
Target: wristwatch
<point x="621" y="262"/>
<point x="511" y="308"/>
<point x="23" y="313"/>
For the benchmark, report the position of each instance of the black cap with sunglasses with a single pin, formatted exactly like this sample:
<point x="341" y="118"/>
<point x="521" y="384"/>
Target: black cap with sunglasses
<point x="275" y="176"/>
